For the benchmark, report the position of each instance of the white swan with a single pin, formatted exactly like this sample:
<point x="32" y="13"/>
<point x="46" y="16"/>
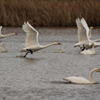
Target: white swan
<point x="3" y="36"/>
<point x="81" y="80"/>
<point x="89" y="52"/>
<point x="31" y="43"/>
<point x="92" y="51"/>
<point x="83" y="35"/>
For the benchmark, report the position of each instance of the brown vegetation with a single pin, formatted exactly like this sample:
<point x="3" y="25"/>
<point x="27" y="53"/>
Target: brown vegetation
<point x="49" y="12"/>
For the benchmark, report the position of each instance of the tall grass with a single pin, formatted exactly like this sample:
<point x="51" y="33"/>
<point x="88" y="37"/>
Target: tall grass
<point x="49" y="12"/>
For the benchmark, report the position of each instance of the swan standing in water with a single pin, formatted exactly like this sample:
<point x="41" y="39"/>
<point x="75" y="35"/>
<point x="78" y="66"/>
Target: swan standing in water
<point x="81" y="80"/>
<point x="92" y="51"/>
<point x="3" y="36"/>
<point x="83" y="35"/>
<point x="31" y="42"/>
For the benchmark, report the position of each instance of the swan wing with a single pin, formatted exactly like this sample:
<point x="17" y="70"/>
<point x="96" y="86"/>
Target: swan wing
<point x="85" y="26"/>
<point x="31" y="36"/>
<point x="82" y="36"/>
<point x="0" y="29"/>
<point x="78" y="80"/>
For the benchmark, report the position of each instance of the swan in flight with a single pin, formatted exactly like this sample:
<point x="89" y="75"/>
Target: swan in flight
<point x="31" y="42"/>
<point x="3" y="36"/>
<point x="83" y="35"/>
<point x="81" y="80"/>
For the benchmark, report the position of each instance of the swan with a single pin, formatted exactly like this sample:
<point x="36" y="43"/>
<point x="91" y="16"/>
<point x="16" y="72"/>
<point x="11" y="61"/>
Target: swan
<point x="3" y="36"/>
<point x="92" y="51"/>
<point x="81" y="80"/>
<point x="83" y="35"/>
<point x="31" y="42"/>
<point x="86" y="52"/>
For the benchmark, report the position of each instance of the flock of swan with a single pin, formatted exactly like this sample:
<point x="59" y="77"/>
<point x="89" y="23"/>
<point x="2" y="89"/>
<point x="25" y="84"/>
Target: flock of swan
<point x="84" y="38"/>
<point x="85" y="43"/>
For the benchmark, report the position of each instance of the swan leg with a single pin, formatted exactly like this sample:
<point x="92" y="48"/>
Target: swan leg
<point x="26" y="54"/>
<point x="30" y="51"/>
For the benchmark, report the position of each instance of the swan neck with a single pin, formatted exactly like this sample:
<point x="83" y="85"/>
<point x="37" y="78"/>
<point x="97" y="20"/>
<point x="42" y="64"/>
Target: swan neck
<point x="91" y="78"/>
<point x="9" y="34"/>
<point x="49" y="45"/>
<point x="90" y="33"/>
<point x="93" y="48"/>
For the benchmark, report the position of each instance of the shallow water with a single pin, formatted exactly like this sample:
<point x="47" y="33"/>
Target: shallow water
<point x="40" y="76"/>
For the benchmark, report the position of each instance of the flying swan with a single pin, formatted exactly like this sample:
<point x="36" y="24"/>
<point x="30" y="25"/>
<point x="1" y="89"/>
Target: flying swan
<point x="81" y="80"/>
<point x="31" y="42"/>
<point x="84" y="35"/>
<point x="3" y="36"/>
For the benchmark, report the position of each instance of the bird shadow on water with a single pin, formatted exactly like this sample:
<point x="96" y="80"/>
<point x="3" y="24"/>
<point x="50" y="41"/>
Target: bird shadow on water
<point x="63" y="82"/>
<point x="29" y="59"/>
<point x="59" y="82"/>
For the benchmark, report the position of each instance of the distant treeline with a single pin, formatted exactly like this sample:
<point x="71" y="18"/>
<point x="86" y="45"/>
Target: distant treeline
<point x="49" y="13"/>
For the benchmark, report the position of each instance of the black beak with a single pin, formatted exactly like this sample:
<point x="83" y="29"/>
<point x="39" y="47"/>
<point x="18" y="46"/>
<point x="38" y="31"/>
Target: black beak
<point x="59" y="43"/>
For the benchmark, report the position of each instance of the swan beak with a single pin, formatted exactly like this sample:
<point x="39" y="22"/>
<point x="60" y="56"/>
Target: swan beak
<point x="92" y="27"/>
<point x="92" y="44"/>
<point x="15" y="33"/>
<point x="59" y="43"/>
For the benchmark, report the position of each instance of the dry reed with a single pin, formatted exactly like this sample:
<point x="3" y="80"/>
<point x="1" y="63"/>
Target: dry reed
<point x="49" y="13"/>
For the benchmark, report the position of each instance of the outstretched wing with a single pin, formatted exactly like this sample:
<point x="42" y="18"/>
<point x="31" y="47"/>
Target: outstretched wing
<point x="31" y="36"/>
<point x="82" y="36"/>
<point x="85" y="26"/>
<point x="0" y="29"/>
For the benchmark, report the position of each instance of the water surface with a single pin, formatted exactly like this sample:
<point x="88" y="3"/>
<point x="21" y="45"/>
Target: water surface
<point x="40" y="76"/>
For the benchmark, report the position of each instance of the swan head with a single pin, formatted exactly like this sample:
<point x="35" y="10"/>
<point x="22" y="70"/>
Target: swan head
<point x="92" y="45"/>
<point x="97" y="69"/>
<point x="57" y="43"/>
<point x="14" y="33"/>
<point x="91" y="27"/>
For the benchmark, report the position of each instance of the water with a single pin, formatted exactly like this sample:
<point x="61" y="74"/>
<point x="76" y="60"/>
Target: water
<point x="40" y="75"/>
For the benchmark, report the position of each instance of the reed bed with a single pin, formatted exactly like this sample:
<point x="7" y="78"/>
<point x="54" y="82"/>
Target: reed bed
<point x="49" y="13"/>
